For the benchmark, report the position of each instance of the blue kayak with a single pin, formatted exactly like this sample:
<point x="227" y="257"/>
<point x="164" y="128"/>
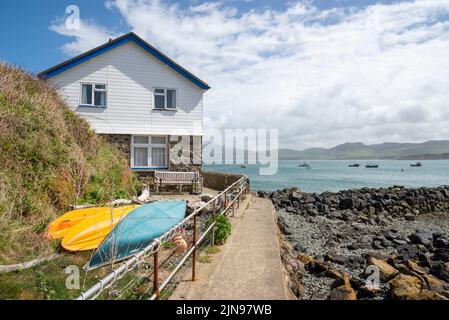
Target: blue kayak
<point x="137" y="230"/>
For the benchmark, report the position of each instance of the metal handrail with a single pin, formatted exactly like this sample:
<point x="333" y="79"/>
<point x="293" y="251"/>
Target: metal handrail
<point x="133" y="262"/>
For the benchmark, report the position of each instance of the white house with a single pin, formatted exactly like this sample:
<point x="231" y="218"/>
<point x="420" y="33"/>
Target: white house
<point x="137" y="98"/>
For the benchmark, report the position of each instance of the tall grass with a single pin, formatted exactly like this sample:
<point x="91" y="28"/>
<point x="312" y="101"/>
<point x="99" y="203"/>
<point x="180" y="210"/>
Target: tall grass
<point x="50" y="159"/>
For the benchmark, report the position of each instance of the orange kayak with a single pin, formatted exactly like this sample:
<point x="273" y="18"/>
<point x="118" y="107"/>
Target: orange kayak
<point x="59" y="227"/>
<point x="89" y="233"/>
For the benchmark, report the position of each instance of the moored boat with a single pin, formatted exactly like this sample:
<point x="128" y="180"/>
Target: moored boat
<point x="354" y="165"/>
<point x="418" y="164"/>
<point x="371" y="165"/>
<point x="137" y="230"/>
<point x="304" y="165"/>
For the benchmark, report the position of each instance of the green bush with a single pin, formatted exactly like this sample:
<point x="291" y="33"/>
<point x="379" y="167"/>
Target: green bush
<point x="222" y="229"/>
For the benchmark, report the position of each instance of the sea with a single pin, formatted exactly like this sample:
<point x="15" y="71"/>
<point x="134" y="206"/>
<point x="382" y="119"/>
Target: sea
<point x="336" y="175"/>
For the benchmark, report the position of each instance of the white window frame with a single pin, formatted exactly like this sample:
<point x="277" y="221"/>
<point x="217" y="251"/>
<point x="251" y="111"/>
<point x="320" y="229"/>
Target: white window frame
<point x="93" y="84"/>
<point x="165" y="98"/>
<point x="150" y="147"/>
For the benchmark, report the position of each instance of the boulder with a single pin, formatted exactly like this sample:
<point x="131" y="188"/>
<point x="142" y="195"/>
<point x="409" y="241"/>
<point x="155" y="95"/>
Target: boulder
<point x="343" y="292"/>
<point x="386" y="271"/>
<point x="430" y="295"/>
<point x="441" y="270"/>
<point x="413" y="266"/>
<point x="306" y="260"/>
<point x="346" y="203"/>
<point x="283" y="225"/>
<point x="434" y="284"/>
<point x="405" y="287"/>
<point x="409" y="216"/>
<point x="421" y="237"/>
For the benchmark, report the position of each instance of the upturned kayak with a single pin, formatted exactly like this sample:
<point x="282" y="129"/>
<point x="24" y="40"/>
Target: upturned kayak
<point x="59" y="227"/>
<point x="137" y="230"/>
<point x="89" y="233"/>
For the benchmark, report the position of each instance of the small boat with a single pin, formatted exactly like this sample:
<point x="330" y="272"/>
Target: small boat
<point x="418" y="164"/>
<point x="304" y="165"/>
<point x="59" y="227"/>
<point x="137" y="230"/>
<point x="243" y="166"/>
<point x="89" y="233"/>
<point x="354" y="165"/>
<point x="371" y="165"/>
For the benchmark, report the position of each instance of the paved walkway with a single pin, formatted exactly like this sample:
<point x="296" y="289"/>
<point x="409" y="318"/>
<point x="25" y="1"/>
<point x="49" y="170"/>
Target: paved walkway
<point x="248" y="266"/>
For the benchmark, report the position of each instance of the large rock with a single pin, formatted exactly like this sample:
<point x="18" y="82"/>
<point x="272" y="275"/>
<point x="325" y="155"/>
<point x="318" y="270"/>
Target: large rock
<point x="422" y="237"/>
<point x="386" y="271"/>
<point x="405" y="287"/>
<point x="430" y="295"/>
<point x="343" y="292"/>
<point x="441" y="270"/>
<point x="434" y="284"/>
<point x="346" y="203"/>
<point x="305" y="259"/>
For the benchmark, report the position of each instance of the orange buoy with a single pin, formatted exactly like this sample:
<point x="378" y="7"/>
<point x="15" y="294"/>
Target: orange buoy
<point x="181" y="244"/>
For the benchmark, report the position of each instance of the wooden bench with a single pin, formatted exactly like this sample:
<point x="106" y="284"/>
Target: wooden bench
<point x="193" y="179"/>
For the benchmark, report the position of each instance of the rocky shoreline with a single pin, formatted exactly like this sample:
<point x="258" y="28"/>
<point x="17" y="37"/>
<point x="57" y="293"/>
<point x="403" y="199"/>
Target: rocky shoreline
<point x="390" y="243"/>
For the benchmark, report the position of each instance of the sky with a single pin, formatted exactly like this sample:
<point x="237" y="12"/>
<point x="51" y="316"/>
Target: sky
<point x="322" y="72"/>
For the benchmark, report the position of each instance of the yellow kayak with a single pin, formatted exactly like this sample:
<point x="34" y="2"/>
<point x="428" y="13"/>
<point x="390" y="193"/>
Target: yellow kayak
<point x="89" y="233"/>
<point x="59" y="227"/>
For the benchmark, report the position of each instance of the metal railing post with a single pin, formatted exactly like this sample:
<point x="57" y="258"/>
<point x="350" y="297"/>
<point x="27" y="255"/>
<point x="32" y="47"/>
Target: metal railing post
<point x="214" y="212"/>
<point x="194" y="248"/>
<point x="156" y="275"/>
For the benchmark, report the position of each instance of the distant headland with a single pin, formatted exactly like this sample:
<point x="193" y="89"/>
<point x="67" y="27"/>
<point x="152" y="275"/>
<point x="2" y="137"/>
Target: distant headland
<point x="429" y="150"/>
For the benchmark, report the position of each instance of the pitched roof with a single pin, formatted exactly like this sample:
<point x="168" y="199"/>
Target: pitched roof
<point x="116" y="43"/>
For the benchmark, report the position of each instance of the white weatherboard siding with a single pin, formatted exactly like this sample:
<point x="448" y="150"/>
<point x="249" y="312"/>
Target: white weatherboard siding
<point x="131" y="75"/>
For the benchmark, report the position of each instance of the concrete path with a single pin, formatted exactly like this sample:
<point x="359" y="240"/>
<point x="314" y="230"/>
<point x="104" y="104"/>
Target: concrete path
<point x="248" y="266"/>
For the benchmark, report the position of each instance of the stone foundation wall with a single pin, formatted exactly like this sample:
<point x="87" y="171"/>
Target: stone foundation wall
<point x="121" y="141"/>
<point x="185" y="153"/>
<point x="219" y="180"/>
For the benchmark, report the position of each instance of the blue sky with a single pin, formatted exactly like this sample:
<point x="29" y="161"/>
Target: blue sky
<point x="32" y="45"/>
<point x="322" y="72"/>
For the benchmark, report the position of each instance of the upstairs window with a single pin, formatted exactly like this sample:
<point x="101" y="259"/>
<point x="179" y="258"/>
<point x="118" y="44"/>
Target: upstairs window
<point x="93" y="95"/>
<point x="165" y="99"/>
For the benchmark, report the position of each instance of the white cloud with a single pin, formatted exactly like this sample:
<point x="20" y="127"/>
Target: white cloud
<point x="88" y="36"/>
<point x="321" y="77"/>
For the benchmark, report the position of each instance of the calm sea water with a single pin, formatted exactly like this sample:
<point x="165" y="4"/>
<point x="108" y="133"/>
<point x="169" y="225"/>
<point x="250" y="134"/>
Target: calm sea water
<point x="335" y="175"/>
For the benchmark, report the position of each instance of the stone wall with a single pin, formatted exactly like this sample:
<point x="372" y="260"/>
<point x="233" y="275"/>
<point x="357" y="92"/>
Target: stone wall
<point x="185" y="153"/>
<point x="121" y="141"/>
<point x="219" y="180"/>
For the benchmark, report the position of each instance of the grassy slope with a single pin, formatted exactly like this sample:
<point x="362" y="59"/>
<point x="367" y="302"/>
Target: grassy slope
<point x="50" y="159"/>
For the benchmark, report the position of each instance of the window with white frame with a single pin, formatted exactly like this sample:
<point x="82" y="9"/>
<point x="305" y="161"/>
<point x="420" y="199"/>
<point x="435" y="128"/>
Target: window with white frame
<point x="165" y="99"/>
<point x="149" y="152"/>
<point x="93" y="95"/>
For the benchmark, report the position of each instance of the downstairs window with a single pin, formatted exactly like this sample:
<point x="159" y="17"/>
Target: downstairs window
<point x="148" y="152"/>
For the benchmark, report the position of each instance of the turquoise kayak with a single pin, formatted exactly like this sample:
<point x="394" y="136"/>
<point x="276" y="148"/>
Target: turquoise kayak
<point x="137" y="230"/>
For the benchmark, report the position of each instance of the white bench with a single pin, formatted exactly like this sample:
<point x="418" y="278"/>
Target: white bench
<point x="180" y="179"/>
